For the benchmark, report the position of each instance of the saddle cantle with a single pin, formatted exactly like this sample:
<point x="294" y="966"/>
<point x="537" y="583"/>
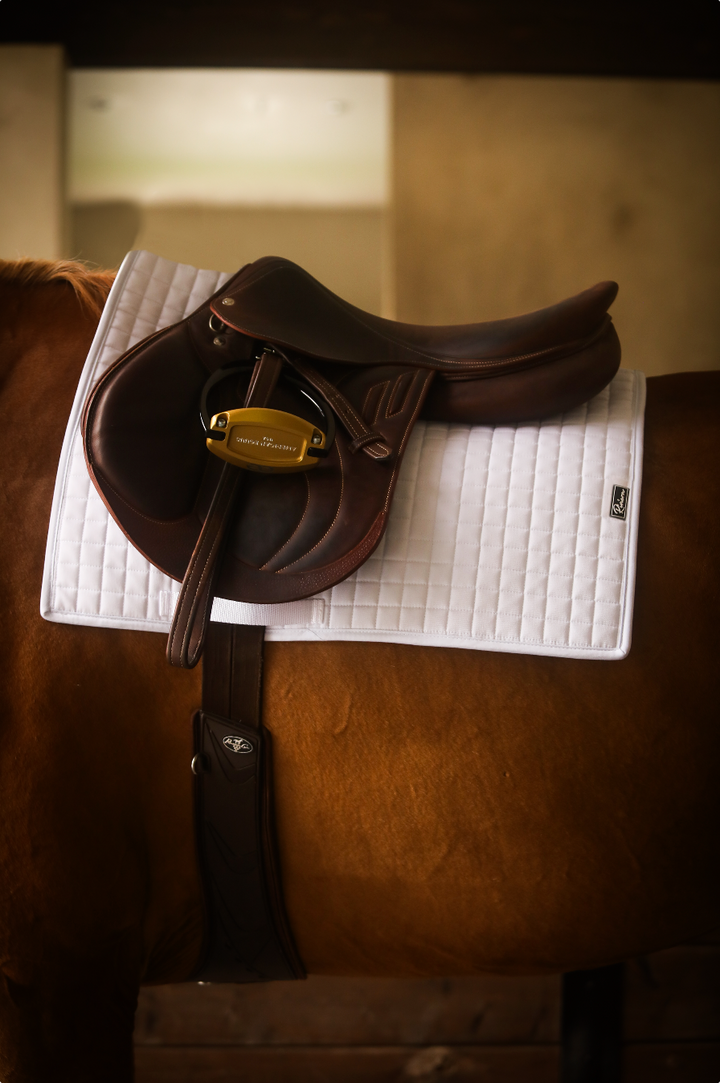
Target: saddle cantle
<point x="289" y="343"/>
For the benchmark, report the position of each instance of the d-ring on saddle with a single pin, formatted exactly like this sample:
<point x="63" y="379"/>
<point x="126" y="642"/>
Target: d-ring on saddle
<point x="275" y="337"/>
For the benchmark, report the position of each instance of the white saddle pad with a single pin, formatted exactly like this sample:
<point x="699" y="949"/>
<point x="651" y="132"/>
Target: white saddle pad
<point x="516" y="538"/>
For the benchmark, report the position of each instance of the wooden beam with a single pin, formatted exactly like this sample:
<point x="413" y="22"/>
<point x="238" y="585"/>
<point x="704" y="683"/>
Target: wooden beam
<point x="617" y="37"/>
<point x="490" y="1010"/>
<point x="663" y="1062"/>
<point x="592" y="1025"/>
<point x="342" y="1064"/>
<point x="670" y="996"/>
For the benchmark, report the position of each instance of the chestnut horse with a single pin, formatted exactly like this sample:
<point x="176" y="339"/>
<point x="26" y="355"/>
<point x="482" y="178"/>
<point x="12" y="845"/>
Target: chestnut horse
<point x="440" y="812"/>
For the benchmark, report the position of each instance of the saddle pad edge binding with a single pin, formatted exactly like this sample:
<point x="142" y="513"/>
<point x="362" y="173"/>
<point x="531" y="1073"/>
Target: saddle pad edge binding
<point x="87" y="379"/>
<point x="636" y="463"/>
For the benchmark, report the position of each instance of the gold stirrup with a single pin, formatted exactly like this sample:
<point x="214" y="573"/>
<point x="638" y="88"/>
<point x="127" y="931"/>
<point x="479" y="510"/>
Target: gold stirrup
<point x="265" y="440"/>
<point x="270" y="441"/>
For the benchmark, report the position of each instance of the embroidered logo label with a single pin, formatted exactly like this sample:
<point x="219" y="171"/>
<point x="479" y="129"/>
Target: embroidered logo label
<point x="237" y="744"/>
<point x="619" y="502"/>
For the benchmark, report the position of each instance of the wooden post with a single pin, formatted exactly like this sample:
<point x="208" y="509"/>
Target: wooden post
<point x="592" y="1025"/>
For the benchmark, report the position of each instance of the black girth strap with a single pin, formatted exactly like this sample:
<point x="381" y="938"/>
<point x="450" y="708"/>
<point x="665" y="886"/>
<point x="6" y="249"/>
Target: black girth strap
<point x="247" y="935"/>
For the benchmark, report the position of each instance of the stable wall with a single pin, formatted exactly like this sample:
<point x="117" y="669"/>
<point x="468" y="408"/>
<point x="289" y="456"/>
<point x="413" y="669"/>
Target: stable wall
<point x="512" y="192"/>
<point x="32" y="123"/>
<point x="345" y="248"/>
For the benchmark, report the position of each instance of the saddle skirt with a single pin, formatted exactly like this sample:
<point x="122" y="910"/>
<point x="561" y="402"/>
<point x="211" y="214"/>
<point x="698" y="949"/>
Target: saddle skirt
<point x="483" y="517"/>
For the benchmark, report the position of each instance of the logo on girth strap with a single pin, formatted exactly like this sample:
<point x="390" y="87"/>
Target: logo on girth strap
<point x="237" y="744"/>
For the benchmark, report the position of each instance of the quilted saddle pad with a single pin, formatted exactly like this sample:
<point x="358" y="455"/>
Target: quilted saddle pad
<point x="517" y="538"/>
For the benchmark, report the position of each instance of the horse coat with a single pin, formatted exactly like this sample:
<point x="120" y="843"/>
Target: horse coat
<point x="439" y="811"/>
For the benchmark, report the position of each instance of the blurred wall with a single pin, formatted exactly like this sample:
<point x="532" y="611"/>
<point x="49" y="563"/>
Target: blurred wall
<point x="217" y="167"/>
<point x="512" y="192"/>
<point x="32" y="123"/>
<point x="345" y="248"/>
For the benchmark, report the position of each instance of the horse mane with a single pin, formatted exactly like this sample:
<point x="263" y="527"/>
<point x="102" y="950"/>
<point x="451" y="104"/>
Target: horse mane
<point x="91" y="287"/>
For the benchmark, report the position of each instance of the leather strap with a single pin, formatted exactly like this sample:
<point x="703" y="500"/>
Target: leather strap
<point x="192" y="612"/>
<point x="247" y="934"/>
<point x="371" y="442"/>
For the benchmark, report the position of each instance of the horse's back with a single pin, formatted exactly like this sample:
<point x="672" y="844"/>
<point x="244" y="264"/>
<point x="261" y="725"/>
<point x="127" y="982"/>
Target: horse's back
<point x="452" y="811"/>
<point x="439" y="811"/>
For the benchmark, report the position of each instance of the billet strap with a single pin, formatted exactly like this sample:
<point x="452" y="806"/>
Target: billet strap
<point x="192" y="612"/>
<point x="371" y="442"/>
<point x="247" y="934"/>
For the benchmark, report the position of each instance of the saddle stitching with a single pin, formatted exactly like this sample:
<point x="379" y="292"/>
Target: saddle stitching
<point x="390" y="488"/>
<point x="371" y="409"/>
<point x="332" y="524"/>
<point x="297" y="526"/>
<point x="399" y="392"/>
<point x="345" y="411"/>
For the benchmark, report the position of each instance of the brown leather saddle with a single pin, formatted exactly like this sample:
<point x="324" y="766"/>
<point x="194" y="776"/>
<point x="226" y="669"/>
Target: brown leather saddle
<point x="316" y="400"/>
<point x="274" y="337"/>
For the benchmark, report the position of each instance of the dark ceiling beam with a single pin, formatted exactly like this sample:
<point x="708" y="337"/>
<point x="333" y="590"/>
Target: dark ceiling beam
<point x="615" y="37"/>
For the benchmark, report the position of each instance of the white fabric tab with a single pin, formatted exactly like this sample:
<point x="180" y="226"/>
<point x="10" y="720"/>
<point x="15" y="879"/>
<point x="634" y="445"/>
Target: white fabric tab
<point x="500" y="538"/>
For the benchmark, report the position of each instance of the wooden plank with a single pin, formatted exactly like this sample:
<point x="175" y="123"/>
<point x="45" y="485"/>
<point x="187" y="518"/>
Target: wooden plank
<point x="537" y="1064"/>
<point x="665" y="1062"/>
<point x="353" y="1011"/>
<point x="618" y="37"/>
<point x="656" y="1063"/>
<point x="670" y="996"/>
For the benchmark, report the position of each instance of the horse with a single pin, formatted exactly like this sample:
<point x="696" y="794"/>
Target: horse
<point x="439" y="812"/>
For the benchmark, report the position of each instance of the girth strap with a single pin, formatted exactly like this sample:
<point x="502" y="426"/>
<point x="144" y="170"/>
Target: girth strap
<point x="247" y="934"/>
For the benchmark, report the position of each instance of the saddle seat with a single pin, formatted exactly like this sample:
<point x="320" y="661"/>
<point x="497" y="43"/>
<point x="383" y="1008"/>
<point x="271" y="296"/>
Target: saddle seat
<point x="275" y="300"/>
<point x="278" y="537"/>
